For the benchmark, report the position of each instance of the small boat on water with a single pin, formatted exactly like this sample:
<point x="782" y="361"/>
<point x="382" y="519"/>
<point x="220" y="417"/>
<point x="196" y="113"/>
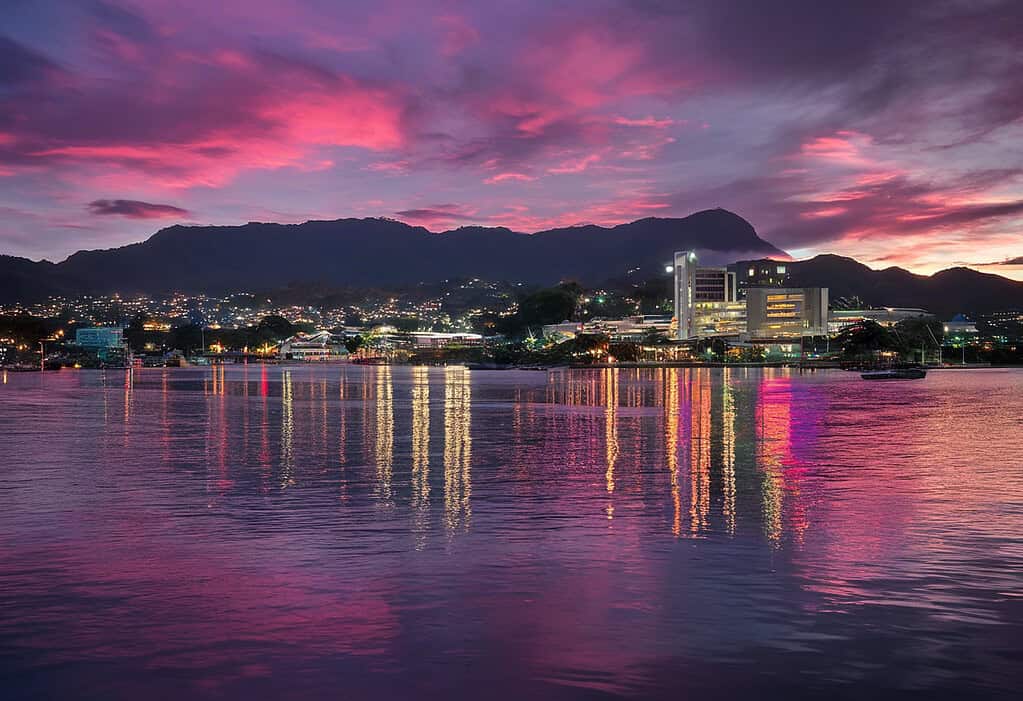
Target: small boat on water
<point x="912" y="373"/>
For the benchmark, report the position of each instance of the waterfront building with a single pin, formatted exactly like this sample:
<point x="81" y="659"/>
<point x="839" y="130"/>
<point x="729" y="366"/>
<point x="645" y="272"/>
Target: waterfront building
<point x="316" y="347"/>
<point x="786" y="312"/>
<point x="839" y="319"/>
<point x="630" y="328"/>
<point x="720" y="319"/>
<point x="107" y="342"/>
<point x="434" y="339"/>
<point x="960" y="326"/>
<point x="100" y="337"/>
<point x="699" y="292"/>
<point x="566" y="328"/>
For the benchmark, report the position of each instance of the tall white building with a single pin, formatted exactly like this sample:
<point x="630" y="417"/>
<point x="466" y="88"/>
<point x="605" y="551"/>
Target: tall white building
<point x="685" y="290"/>
<point x="705" y="299"/>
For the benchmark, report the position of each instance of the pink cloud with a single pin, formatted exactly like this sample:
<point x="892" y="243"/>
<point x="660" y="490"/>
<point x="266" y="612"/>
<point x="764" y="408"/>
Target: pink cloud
<point x="457" y="34"/>
<point x="647" y="150"/>
<point x="203" y="118"/>
<point x="589" y="66"/>
<point x="576" y="166"/>
<point x="504" y="177"/>
<point x="351" y="116"/>
<point x="625" y="207"/>
<point x="401" y="167"/>
<point x="843" y="147"/>
<point x="824" y="212"/>
<point x="165" y="99"/>
<point x="649" y="122"/>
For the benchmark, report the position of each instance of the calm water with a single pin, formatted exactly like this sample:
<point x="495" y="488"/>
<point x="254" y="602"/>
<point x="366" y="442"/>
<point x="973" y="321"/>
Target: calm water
<point x="364" y="533"/>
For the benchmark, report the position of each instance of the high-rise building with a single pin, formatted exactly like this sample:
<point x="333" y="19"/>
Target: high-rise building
<point x="786" y="312"/>
<point x="685" y="289"/>
<point x="759" y="273"/>
<point x="701" y="294"/>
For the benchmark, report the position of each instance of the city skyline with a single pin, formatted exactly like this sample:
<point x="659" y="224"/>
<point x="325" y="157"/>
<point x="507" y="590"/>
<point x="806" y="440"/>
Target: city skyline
<point x="853" y="130"/>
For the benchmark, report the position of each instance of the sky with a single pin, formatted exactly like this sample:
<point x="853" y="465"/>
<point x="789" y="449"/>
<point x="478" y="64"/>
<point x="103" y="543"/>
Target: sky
<point x="888" y="131"/>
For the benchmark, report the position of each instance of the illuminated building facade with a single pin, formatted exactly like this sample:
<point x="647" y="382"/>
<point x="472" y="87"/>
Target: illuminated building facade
<point x="720" y="319"/>
<point x="432" y="339"/>
<point x="786" y="312"/>
<point x="312" y="347"/>
<point x="630" y="328"/>
<point x="100" y="337"/>
<point x="959" y="324"/>
<point x="839" y="319"/>
<point x="684" y="268"/>
<point x="759" y="273"/>
<point x="701" y="295"/>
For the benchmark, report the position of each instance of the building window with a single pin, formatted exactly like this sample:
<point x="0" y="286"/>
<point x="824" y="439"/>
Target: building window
<point x="780" y="269"/>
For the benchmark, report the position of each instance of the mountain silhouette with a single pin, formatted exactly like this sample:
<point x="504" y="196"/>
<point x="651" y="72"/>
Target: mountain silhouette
<point x="384" y="253"/>
<point x="380" y="253"/>
<point x="946" y="293"/>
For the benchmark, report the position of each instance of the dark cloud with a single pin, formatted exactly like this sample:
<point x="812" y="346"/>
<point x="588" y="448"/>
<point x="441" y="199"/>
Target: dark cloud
<point x="435" y="213"/>
<point x="121" y="20"/>
<point x="888" y="63"/>
<point x="1018" y="260"/>
<point x="892" y="208"/>
<point x="133" y="209"/>
<point x="20" y="64"/>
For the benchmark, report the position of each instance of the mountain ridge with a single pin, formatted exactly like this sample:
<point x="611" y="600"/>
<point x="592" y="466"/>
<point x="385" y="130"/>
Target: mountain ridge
<point x="944" y="293"/>
<point x="389" y="252"/>
<point x="383" y="252"/>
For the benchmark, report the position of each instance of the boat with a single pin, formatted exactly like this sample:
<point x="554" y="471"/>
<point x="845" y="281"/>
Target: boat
<point x="895" y="374"/>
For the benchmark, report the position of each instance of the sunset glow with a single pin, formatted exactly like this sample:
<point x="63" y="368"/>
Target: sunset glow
<point x="889" y="134"/>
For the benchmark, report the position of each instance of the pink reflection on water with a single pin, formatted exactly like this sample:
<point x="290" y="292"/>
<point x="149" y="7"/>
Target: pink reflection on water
<point x="200" y="606"/>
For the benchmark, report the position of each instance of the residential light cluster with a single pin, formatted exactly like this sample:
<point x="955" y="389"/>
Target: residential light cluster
<point x="455" y="305"/>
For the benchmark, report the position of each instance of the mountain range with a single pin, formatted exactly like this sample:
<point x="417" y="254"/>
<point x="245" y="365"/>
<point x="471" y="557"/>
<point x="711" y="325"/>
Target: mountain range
<point x="945" y="293"/>
<point x="385" y="253"/>
<point x="379" y="253"/>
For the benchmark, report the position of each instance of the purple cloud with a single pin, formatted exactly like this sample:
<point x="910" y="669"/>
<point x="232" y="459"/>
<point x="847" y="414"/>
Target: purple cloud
<point x="133" y="209"/>
<point x="883" y="130"/>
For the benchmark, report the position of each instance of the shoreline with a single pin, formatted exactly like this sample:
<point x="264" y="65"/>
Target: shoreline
<point x="535" y="368"/>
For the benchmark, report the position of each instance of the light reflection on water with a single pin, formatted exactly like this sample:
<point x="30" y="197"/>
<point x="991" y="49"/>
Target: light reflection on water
<point x="297" y="532"/>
